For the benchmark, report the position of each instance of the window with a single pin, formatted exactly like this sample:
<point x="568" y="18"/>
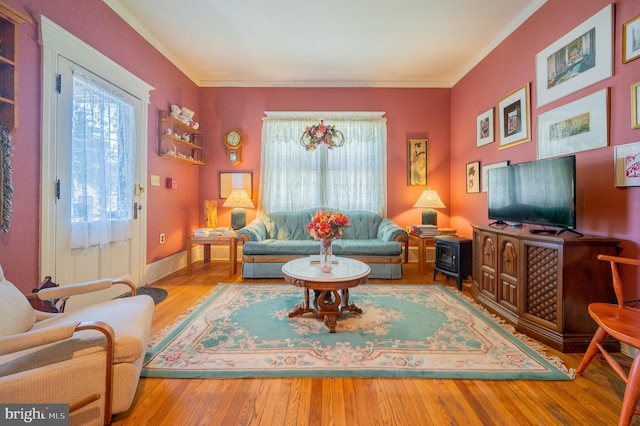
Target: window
<point x="102" y="162"/>
<point x="350" y="177"/>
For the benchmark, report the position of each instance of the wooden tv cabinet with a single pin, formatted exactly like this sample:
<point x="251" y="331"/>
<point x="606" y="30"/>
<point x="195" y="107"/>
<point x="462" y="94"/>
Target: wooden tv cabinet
<point x="543" y="283"/>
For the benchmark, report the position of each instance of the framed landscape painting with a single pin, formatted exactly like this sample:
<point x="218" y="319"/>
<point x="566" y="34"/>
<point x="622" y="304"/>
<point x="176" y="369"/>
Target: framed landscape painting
<point x="577" y="126"/>
<point x="514" y="120"/>
<point x="484" y="181"/>
<point x="631" y="40"/>
<point x="577" y="60"/>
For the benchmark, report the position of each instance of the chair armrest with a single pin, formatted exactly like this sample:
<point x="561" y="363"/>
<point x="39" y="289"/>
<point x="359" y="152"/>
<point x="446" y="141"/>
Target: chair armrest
<point x="618" y="259"/>
<point x="81" y="288"/>
<point x="390" y="231"/>
<point x="48" y="335"/>
<point x="254" y="231"/>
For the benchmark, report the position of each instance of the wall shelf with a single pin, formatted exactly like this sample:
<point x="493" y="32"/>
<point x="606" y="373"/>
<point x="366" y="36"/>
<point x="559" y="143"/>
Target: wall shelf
<point x="179" y="141"/>
<point x="9" y="19"/>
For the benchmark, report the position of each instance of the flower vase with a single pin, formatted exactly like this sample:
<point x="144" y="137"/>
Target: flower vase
<point x="326" y="255"/>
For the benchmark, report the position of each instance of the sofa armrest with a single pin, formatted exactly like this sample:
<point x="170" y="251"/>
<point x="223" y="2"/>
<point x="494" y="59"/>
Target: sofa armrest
<point x="390" y="231"/>
<point x="254" y="231"/>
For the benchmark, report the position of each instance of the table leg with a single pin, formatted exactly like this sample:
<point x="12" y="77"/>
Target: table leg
<point x="302" y="308"/>
<point x="207" y="253"/>
<point x="346" y="306"/>
<point x="189" y="256"/>
<point x="406" y="251"/>
<point x="233" y="256"/>
<point x="422" y="257"/>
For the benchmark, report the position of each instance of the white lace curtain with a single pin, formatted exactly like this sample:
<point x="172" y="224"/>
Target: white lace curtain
<point x="350" y="177"/>
<point x="103" y="163"/>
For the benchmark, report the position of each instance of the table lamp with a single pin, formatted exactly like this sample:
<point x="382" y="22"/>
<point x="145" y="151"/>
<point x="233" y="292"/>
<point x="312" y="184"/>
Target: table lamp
<point x="238" y="200"/>
<point x="429" y="200"/>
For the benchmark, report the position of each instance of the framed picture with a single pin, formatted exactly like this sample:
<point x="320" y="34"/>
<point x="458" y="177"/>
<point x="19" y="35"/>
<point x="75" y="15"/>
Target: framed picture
<point x="231" y="181"/>
<point x="484" y="128"/>
<point x="417" y="161"/>
<point x="635" y="106"/>
<point x="514" y="122"/>
<point x="484" y="181"/>
<point x="473" y="177"/>
<point x="577" y="126"/>
<point x="579" y="59"/>
<point x="631" y="40"/>
<point x="627" y="164"/>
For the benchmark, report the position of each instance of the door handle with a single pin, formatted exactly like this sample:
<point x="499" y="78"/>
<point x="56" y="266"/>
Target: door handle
<point x="136" y="207"/>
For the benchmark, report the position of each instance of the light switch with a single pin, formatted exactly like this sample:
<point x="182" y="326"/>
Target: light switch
<point x="155" y="180"/>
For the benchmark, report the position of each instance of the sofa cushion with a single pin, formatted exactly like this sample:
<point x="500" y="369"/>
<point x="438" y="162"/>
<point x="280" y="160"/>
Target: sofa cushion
<point x="281" y="247"/>
<point x="371" y="247"/>
<point x="363" y="225"/>
<point x="287" y="225"/>
<point x="17" y="314"/>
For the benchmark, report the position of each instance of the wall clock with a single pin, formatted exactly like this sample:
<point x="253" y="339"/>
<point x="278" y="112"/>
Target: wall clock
<point x="233" y="143"/>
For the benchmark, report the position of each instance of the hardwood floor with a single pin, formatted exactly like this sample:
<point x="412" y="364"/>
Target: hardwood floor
<point x="593" y="399"/>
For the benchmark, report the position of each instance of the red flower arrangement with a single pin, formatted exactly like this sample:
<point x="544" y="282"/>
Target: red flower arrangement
<point x="321" y="134"/>
<point x="327" y="225"/>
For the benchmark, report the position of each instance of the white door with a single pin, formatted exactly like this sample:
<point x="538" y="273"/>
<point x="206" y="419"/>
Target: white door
<point x="119" y="259"/>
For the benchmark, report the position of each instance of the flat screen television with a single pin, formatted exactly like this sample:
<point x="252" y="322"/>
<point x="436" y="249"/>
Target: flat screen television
<point x="539" y="192"/>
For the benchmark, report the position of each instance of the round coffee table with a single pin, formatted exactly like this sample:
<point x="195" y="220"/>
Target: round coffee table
<point x="331" y="288"/>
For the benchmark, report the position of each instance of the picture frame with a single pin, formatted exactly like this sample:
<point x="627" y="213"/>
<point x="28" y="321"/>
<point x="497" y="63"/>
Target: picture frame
<point x="514" y="117"/>
<point x="631" y="40"/>
<point x="484" y="128"/>
<point x="635" y="106"/>
<point x="417" y="162"/>
<point x="473" y="177"/>
<point x="580" y="125"/>
<point x="231" y="180"/>
<point x="484" y="174"/>
<point x="578" y="59"/>
<point x="627" y="164"/>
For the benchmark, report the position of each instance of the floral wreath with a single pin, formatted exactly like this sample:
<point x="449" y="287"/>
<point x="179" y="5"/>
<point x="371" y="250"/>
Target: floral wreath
<point x="321" y="134"/>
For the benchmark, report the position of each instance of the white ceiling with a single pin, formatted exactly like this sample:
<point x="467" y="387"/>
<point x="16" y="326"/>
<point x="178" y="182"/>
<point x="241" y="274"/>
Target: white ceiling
<point x="323" y="43"/>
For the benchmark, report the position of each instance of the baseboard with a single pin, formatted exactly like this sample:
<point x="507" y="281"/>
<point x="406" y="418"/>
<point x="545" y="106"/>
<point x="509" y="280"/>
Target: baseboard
<point x="170" y="264"/>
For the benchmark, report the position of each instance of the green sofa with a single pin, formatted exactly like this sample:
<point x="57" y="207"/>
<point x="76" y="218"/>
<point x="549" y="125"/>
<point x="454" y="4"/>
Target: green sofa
<point x="276" y="238"/>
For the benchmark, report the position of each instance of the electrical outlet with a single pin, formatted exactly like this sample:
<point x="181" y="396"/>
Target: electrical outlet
<point x="155" y="180"/>
<point x="163" y="238"/>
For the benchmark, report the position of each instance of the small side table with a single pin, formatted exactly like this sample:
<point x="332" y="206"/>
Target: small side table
<point x="207" y="242"/>
<point x="423" y="243"/>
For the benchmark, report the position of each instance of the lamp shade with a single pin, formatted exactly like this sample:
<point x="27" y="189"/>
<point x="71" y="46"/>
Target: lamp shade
<point x="429" y="199"/>
<point x="239" y="198"/>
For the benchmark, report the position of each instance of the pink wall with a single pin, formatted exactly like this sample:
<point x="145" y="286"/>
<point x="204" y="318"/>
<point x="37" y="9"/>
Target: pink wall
<point x="446" y="117"/>
<point x="411" y="113"/>
<point x="602" y="209"/>
<point x="100" y="27"/>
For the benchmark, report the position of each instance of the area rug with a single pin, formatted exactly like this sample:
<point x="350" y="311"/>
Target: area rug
<point x="426" y="331"/>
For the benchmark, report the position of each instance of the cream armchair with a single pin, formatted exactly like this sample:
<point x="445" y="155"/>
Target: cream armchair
<point x="89" y="358"/>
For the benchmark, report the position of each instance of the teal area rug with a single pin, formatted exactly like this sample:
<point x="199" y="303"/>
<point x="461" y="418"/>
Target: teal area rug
<point x="427" y="331"/>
